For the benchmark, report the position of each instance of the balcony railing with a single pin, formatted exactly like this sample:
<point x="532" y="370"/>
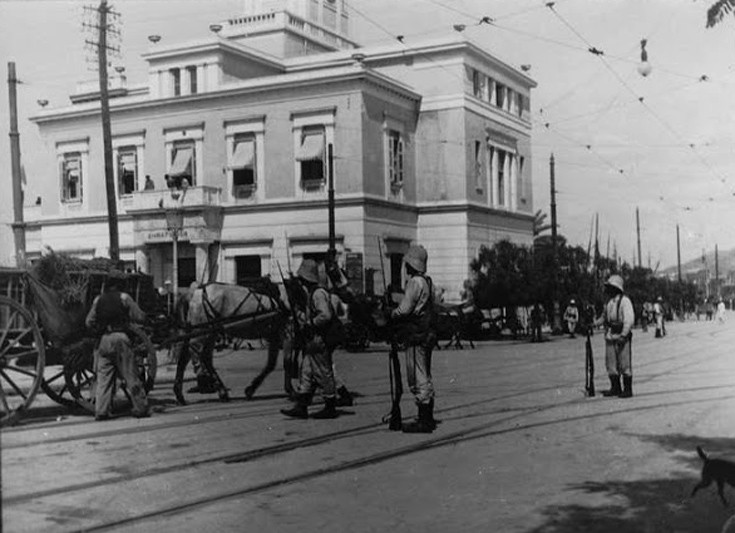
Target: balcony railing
<point x="199" y="196"/>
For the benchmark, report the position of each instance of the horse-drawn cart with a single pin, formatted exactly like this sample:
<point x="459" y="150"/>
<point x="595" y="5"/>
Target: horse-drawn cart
<point x="43" y="340"/>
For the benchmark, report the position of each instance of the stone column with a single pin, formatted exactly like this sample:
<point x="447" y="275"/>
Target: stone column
<point x="493" y="176"/>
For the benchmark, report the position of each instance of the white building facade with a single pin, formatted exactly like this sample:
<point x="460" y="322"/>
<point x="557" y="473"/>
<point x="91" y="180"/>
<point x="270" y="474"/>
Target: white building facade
<point x="430" y="144"/>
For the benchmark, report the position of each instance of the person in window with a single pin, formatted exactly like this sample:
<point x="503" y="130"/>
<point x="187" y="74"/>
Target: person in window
<point x="149" y="185"/>
<point x="170" y="183"/>
<point x="109" y="318"/>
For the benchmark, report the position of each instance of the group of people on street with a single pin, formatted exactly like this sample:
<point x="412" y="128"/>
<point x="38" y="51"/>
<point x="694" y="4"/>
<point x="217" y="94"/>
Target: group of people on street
<point x="113" y="311"/>
<point x="317" y="319"/>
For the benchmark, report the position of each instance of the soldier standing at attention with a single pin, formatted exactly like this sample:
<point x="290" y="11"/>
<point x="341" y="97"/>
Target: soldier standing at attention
<point x="416" y="313"/>
<point x="110" y="316"/>
<point x="618" y="318"/>
<point x="317" y="369"/>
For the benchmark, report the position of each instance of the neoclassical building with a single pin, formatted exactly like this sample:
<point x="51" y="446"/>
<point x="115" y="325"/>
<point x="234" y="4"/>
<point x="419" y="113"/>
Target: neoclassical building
<point x="429" y="143"/>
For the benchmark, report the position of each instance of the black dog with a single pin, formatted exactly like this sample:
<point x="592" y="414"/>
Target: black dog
<point x="718" y="470"/>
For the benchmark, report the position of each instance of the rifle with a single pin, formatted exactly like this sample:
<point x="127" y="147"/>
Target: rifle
<point x="298" y="334"/>
<point x="589" y="365"/>
<point x="395" y="422"/>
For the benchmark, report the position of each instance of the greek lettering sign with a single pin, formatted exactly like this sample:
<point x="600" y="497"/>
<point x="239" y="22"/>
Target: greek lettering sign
<point x="353" y="267"/>
<point x="163" y="235"/>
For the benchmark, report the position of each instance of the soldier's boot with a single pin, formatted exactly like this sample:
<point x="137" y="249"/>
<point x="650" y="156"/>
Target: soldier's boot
<point x="432" y="421"/>
<point x="329" y="410"/>
<point x="300" y="408"/>
<point x="615" y="389"/>
<point x="627" y="387"/>
<point x="423" y="424"/>
<point x="344" y="397"/>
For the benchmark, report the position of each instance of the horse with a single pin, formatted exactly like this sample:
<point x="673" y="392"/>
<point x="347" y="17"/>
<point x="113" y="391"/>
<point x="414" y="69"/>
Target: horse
<point x="210" y="310"/>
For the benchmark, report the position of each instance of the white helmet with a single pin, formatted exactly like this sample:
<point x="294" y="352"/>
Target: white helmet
<point x="615" y="281"/>
<point x="416" y="256"/>
<point x="308" y="270"/>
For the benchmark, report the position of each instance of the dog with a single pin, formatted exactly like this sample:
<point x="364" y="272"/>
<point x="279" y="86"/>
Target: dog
<point x="720" y="471"/>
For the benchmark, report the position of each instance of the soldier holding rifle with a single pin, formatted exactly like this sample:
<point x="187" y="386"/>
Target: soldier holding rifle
<point x="313" y="325"/>
<point x="413" y="320"/>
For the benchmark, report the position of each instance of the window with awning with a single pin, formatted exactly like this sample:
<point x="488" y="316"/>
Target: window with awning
<point x="312" y="146"/>
<point x="243" y="162"/>
<point x="183" y="165"/>
<point x="311" y="157"/>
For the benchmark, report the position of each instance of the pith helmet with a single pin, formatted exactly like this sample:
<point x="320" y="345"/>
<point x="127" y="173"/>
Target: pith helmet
<point x="615" y="281"/>
<point x="416" y="257"/>
<point x="572" y="301"/>
<point x="309" y="271"/>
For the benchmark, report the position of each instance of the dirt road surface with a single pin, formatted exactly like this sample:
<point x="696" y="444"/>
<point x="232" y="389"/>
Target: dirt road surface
<point x="519" y="449"/>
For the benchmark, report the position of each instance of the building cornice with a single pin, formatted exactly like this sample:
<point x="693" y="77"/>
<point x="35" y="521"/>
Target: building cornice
<point x="268" y="85"/>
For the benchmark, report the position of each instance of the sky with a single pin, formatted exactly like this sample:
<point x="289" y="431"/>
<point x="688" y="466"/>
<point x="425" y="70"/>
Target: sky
<point x="662" y="143"/>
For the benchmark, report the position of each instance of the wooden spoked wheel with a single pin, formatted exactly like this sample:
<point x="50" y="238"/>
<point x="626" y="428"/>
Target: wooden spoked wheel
<point x="80" y="375"/>
<point x="22" y="359"/>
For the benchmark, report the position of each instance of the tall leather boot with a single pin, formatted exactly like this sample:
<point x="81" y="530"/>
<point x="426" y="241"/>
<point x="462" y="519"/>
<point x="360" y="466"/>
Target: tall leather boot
<point x="423" y="424"/>
<point x="300" y="408"/>
<point x="615" y="389"/>
<point x="432" y="420"/>
<point x="627" y="387"/>
<point x="344" y="397"/>
<point x="329" y="411"/>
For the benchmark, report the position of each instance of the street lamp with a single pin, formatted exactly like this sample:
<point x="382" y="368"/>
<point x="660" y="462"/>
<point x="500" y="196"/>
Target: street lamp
<point x="174" y="224"/>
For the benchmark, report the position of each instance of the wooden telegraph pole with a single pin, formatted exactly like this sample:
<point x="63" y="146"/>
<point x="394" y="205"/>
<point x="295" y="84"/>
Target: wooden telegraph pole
<point x="556" y="324"/>
<point x="103" y="28"/>
<point x="19" y="235"/>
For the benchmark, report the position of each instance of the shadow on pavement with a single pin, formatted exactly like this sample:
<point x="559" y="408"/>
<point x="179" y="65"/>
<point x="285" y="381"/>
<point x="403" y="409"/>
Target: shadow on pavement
<point x="653" y="505"/>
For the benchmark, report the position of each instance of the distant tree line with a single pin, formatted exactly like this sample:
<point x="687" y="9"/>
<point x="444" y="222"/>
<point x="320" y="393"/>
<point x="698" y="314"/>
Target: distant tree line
<point x="508" y="275"/>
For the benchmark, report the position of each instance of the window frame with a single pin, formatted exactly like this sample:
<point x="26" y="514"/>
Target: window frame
<point x="249" y="127"/>
<point x="127" y="141"/>
<point x="396" y="159"/>
<point x="64" y="148"/>
<point x="193" y="133"/>
<point x="325" y="118"/>
<point x="65" y="197"/>
<point x="175" y="74"/>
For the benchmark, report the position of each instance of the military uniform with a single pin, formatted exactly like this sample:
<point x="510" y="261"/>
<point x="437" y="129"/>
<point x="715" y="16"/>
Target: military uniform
<point x="317" y="368"/>
<point x="618" y="318"/>
<point x="110" y="316"/>
<point x="416" y="311"/>
<point x="571" y="317"/>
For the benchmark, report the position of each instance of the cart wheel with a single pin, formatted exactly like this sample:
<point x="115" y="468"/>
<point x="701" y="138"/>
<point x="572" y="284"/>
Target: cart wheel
<point x="22" y="359"/>
<point x="55" y="388"/>
<point x="79" y="374"/>
<point x="145" y="355"/>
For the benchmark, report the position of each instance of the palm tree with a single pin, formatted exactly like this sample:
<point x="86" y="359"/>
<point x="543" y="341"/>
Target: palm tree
<point x="718" y="11"/>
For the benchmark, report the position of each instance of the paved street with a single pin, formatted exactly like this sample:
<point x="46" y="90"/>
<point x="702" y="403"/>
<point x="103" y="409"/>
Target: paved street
<point x="519" y="449"/>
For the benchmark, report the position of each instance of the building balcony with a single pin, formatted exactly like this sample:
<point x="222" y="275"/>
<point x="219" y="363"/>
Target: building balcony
<point x="198" y="197"/>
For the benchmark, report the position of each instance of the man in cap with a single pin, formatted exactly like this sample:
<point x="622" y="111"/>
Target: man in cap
<point x="110" y="315"/>
<point x="571" y="317"/>
<point x="618" y="318"/>
<point x="416" y="310"/>
<point x="317" y="369"/>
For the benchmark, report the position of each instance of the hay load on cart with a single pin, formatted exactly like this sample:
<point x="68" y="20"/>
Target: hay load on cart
<point x="43" y="340"/>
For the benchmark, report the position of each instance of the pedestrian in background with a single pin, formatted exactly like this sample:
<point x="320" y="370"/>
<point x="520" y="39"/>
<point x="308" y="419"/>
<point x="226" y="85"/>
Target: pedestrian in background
<point x="149" y="185"/>
<point x="618" y="318"/>
<point x="658" y="317"/>
<point x="571" y="317"/>
<point x="110" y="316"/>
<point x="721" y="311"/>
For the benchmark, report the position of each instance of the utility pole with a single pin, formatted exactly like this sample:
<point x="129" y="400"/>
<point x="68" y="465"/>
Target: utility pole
<point x="717" y="273"/>
<point x="19" y="235"/>
<point x="332" y="252"/>
<point x="556" y="325"/>
<point x="678" y="254"/>
<point x="638" y="233"/>
<point x="103" y="27"/>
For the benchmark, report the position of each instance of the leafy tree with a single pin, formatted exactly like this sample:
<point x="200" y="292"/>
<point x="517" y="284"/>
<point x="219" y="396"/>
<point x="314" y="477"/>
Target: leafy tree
<point x="718" y="11"/>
